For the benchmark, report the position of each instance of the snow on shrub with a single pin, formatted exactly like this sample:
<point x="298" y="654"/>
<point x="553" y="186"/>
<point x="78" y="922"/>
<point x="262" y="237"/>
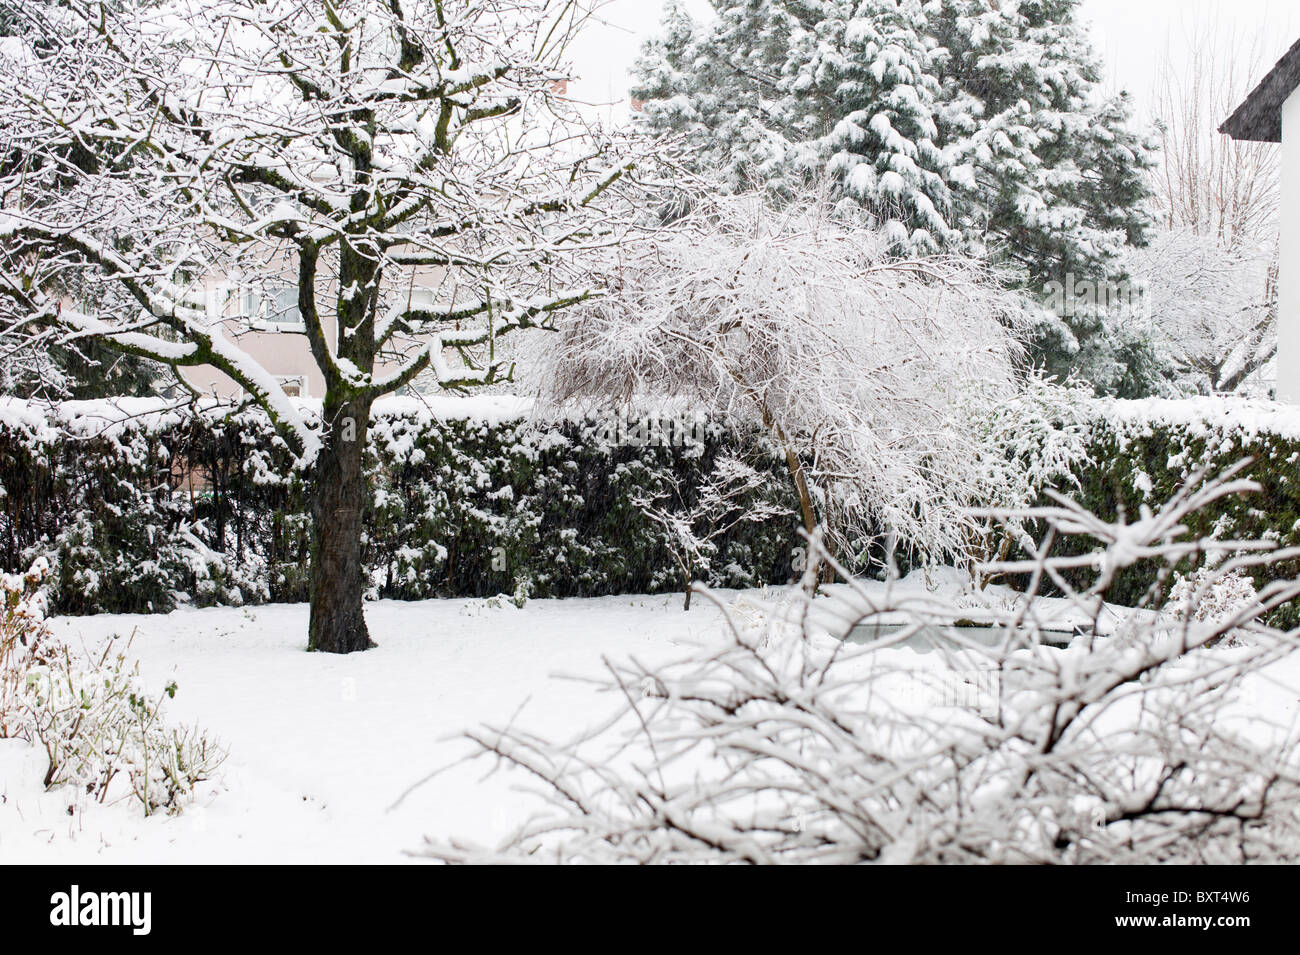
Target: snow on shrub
<point x="1212" y="594"/>
<point x="145" y="506"/>
<point x="139" y="505"/>
<point x="694" y="516"/>
<point x="858" y="365"/>
<point x="98" y="724"/>
<point x="1143" y="452"/>
<point x="1132" y="747"/>
<point x="1032" y="440"/>
<point x="89" y="711"/>
<point x="22" y="631"/>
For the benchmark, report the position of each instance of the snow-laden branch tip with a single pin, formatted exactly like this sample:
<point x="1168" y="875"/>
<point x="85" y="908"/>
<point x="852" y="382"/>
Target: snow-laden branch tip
<point x="784" y="742"/>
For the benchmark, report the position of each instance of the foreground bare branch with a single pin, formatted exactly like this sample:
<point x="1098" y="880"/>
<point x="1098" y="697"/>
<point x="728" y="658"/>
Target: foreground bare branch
<point x="1136" y="743"/>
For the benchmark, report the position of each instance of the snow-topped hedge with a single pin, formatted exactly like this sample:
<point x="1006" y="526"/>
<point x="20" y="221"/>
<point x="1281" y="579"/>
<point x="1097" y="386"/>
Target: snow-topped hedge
<point x="140" y="505"/>
<point x="1142" y="451"/>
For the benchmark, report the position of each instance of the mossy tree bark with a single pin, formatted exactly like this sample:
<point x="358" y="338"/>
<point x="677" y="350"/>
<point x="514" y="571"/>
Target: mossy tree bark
<point x="337" y="578"/>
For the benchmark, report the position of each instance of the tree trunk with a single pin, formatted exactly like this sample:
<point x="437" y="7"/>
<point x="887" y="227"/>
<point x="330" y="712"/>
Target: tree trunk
<point x="792" y="462"/>
<point x="338" y="500"/>
<point x="801" y="485"/>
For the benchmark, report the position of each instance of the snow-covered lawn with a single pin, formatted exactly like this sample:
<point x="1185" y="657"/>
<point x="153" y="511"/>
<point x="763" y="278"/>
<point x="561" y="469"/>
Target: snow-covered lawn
<point x="322" y="748"/>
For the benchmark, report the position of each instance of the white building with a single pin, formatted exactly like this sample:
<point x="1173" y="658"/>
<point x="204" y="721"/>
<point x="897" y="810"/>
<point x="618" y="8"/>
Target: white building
<point x="1271" y="114"/>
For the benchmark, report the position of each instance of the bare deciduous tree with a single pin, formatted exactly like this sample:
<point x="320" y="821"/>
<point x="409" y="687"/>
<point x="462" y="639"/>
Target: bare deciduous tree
<point x="1207" y="182"/>
<point x="338" y="146"/>
<point x="1213" y="308"/>
<point x="1212" y="274"/>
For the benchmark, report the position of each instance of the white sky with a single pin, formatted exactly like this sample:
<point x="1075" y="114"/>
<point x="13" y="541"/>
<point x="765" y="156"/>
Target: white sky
<point x="1131" y="36"/>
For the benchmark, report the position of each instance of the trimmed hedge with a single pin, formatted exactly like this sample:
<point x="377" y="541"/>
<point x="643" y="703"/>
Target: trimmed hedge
<point x="471" y="499"/>
<point x="1143" y="451"/>
<point x="474" y="501"/>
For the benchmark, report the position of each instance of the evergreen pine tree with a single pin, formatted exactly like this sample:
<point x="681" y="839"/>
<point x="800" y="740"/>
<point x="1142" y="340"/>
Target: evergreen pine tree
<point x="949" y="121"/>
<point x="875" y="68"/>
<point x="1056" y="171"/>
<point x="776" y="94"/>
<point x="719" y="87"/>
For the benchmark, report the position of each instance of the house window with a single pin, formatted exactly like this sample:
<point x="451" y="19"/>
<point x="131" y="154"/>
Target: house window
<point x="423" y="298"/>
<point x="278" y="307"/>
<point x="248" y="303"/>
<point x="282" y="306"/>
<point x="295" y="386"/>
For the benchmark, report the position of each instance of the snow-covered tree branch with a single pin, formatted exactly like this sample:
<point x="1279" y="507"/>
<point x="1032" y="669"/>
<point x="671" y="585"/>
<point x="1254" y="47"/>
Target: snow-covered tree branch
<point x="1211" y="308"/>
<point x="862" y="366"/>
<point x="1134" y="744"/>
<point x="350" y="150"/>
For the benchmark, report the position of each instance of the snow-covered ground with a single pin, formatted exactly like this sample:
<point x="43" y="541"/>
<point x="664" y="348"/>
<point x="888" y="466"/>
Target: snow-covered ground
<point x="322" y="748"/>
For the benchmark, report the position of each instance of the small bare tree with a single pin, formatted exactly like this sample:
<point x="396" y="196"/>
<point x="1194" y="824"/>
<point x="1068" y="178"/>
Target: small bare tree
<point x="1207" y="182"/>
<point x="1128" y="747"/>
<point x="859" y="365"/>
<point x="693" y="517"/>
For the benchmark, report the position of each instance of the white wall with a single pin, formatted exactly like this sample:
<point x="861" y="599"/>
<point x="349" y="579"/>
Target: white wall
<point x="1288" y="308"/>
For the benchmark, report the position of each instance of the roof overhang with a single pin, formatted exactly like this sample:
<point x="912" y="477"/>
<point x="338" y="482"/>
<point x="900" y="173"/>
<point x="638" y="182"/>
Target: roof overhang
<point x="1259" y="117"/>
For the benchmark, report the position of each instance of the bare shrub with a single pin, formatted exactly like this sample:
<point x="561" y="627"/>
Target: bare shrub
<point x="96" y="723"/>
<point x="1132" y="744"/>
<point x="22" y="632"/>
<point x="89" y="711"/>
<point x="692" y="519"/>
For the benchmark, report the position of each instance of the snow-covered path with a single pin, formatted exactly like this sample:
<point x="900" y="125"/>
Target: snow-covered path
<point x="321" y="747"/>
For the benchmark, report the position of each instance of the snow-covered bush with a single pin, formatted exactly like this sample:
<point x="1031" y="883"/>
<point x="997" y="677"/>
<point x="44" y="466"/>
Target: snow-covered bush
<point x="1032" y="440"/>
<point x="1211" y="594"/>
<point x="693" y="517"/>
<point x="104" y="491"/>
<point x="141" y="505"/>
<point x="1127" y="747"/>
<point x="97" y="723"/>
<point x="1143" y="452"/>
<point x="90" y="712"/>
<point x="138" y="504"/>
<point x="860" y="366"/>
